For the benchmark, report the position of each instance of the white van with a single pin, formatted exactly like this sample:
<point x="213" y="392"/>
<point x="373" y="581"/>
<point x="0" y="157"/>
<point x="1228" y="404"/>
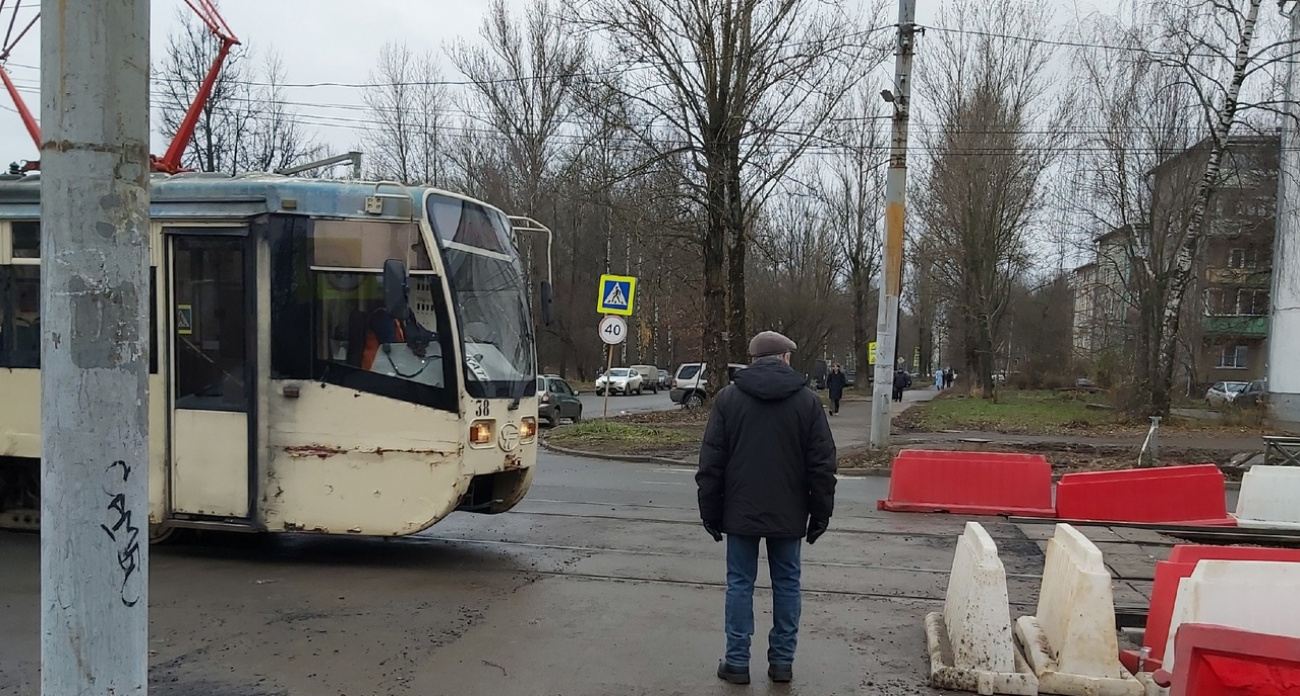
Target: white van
<point x="649" y="377"/>
<point x="688" y="385"/>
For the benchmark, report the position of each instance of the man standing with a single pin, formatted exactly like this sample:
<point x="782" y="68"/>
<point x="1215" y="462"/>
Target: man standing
<point x="902" y="381"/>
<point x="835" y="383"/>
<point x="767" y="471"/>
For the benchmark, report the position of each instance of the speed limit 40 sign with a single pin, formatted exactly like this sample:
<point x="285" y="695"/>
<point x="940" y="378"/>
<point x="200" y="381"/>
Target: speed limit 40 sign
<point x="613" y="330"/>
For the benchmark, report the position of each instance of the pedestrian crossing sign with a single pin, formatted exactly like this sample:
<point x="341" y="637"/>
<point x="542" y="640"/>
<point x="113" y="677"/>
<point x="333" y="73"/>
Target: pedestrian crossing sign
<point x="616" y="295"/>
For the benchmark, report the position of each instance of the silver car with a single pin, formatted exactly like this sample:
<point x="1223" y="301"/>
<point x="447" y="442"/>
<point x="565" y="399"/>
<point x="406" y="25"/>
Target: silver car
<point x="1223" y="393"/>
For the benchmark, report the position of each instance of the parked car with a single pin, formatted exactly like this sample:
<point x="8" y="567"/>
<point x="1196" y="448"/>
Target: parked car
<point x="1223" y="393"/>
<point x="665" y="378"/>
<point x="688" y="385"/>
<point x="557" y="400"/>
<point x="1254" y="394"/>
<point x="649" y="377"/>
<point x="620" y="380"/>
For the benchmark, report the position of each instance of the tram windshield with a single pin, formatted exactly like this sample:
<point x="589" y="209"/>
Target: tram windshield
<point x="490" y="295"/>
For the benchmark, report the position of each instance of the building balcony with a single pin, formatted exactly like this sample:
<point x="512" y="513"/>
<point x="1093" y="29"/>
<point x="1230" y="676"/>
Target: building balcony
<point x="1245" y="277"/>
<point x="1245" y="327"/>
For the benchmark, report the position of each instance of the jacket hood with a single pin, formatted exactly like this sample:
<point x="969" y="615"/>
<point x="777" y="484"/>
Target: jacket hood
<point x="769" y="379"/>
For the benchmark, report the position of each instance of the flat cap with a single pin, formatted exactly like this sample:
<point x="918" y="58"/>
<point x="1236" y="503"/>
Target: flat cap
<point x="770" y="343"/>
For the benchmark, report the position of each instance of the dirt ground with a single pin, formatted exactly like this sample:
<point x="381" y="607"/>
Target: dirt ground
<point x="682" y="430"/>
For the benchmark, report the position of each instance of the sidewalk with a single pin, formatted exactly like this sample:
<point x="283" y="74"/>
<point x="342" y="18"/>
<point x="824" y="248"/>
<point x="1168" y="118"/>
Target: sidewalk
<point x="852" y="427"/>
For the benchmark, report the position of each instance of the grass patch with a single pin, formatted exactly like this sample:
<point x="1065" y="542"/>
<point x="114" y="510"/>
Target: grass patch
<point x="626" y="438"/>
<point x="1017" y="412"/>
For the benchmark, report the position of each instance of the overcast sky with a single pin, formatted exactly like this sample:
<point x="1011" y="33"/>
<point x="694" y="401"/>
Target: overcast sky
<point x="331" y="41"/>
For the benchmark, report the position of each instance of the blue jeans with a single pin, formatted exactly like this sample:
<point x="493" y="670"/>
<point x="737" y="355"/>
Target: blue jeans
<point x="742" y="570"/>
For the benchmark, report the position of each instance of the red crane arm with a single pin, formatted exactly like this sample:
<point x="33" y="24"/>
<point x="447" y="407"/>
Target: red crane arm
<point x="29" y="121"/>
<point x="171" y="161"/>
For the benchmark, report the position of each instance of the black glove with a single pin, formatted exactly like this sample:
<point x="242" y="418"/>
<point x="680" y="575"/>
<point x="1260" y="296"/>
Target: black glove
<point x="816" y="528"/>
<point x="712" y="529"/>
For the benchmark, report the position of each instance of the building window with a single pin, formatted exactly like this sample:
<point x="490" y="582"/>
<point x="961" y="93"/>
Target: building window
<point x="1234" y="357"/>
<point x="1252" y="303"/>
<point x="1242" y="258"/>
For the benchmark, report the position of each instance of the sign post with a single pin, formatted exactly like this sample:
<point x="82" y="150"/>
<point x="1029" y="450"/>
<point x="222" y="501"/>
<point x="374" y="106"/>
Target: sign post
<point x="613" y="331"/>
<point x="614" y="300"/>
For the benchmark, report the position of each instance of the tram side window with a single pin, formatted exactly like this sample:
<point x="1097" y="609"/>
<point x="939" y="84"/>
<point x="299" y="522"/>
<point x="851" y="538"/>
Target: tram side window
<point x="27" y="240"/>
<point x="20" y="316"/>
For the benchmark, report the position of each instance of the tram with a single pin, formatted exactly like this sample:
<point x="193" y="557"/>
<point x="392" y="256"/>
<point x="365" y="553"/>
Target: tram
<point x="326" y="356"/>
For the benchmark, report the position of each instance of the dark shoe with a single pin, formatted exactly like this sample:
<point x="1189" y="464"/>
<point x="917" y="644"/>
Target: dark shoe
<point x="733" y="674"/>
<point x="781" y="674"/>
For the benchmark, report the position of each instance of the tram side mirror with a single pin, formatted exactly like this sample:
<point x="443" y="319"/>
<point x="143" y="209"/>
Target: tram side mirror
<point x="396" y="288"/>
<point x="547" y="294"/>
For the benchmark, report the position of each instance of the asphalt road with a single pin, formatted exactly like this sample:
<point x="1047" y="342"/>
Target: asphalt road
<point x="600" y="582"/>
<point x="594" y="406"/>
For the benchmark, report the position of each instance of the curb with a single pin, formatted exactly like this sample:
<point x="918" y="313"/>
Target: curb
<point x="633" y="458"/>
<point x="667" y="461"/>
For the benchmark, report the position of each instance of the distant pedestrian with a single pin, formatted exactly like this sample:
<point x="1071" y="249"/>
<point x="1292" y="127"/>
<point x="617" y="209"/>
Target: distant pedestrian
<point x="902" y="381"/>
<point x="835" y="383"/>
<point x="949" y="378"/>
<point x="938" y="379"/>
<point x="767" y="471"/>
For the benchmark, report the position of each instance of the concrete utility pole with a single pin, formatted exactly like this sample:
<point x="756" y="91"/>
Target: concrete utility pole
<point x="891" y="287"/>
<point x="1284" y="325"/>
<point x="94" y="355"/>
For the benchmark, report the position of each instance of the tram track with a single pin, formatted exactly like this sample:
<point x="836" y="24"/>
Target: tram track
<point x="866" y="532"/>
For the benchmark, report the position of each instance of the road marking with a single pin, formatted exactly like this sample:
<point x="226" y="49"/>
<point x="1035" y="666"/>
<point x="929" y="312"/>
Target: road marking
<point x="664" y="483"/>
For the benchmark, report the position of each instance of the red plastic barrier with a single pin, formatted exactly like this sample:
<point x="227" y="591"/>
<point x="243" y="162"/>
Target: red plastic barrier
<point x="1182" y="561"/>
<point x="1223" y="661"/>
<point x="970" y="483"/>
<point x="1191" y="495"/>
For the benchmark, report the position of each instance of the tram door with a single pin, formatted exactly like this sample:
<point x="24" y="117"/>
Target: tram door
<point x="212" y="349"/>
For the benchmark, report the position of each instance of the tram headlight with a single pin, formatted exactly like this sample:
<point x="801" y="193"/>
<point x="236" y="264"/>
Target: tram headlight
<point x="480" y="433"/>
<point x="527" y="429"/>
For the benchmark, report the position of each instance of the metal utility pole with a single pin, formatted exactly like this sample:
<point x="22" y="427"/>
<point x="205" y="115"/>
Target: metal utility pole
<point x="891" y="287"/>
<point x="94" y="355"/>
<point x="1284" y="325"/>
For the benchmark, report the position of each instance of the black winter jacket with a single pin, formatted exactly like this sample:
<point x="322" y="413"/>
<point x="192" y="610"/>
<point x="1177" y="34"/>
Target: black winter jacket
<point x="768" y="459"/>
<point x="835" y="383"/>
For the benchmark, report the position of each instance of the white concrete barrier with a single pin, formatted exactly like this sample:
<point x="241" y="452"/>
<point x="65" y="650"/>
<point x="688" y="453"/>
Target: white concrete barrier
<point x="1258" y="596"/>
<point x="970" y="643"/>
<point x="1270" y="497"/>
<point x="1070" y="644"/>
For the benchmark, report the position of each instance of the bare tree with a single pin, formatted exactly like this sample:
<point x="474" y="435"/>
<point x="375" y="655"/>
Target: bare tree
<point x="523" y="79"/>
<point x="851" y="188"/>
<point x="797" y="273"/>
<point x="741" y="88"/>
<point x="407" y="101"/>
<point x="1225" y="29"/>
<point x="276" y="137"/>
<point x="1154" y="149"/>
<point x="996" y="135"/>
<point x="226" y="118"/>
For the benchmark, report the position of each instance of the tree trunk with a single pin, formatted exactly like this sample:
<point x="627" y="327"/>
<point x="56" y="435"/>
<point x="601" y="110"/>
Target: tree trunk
<point x="925" y="343"/>
<point x="984" y="349"/>
<point x="737" y="255"/>
<point x="715" y="290"/>
<point x="861" y="346"/>
<point x="1181" y="276"/>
